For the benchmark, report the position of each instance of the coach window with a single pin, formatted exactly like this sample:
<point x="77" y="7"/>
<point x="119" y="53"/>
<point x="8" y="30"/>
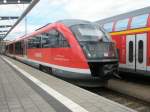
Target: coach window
<point x="18" y="48"/>
<point x="108" y="27"/>
<point x="49" y="39"/>
<point x="45" y="42"/>
<point x="11" y="47"/>
<point x="53" y="39"/>
<point x="30" y="41"/>
<point x="62" y="41"/>
<point x="121" y="25"/>
<point x="139" y="21"/>
<point x="35" y="42"/>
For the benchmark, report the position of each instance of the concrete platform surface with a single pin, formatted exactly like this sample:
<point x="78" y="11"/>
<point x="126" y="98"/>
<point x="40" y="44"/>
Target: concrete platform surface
<point x="85" y="100"/>
<point x="17" y="96"/>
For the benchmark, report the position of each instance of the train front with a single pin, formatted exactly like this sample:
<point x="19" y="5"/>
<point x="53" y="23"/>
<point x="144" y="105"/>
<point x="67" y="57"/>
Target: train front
<point x="99" y="49"/>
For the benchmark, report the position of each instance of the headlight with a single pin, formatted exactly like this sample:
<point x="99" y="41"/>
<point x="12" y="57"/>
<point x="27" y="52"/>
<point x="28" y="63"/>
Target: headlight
<point x="89" y="55"/>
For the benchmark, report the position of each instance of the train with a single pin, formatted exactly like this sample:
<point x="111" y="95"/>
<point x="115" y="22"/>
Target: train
<point x="71" y="49"/>
<point x="131" y="33"/>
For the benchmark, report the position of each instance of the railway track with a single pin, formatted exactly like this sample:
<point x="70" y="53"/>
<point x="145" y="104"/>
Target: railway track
<point x="125" y="100"/>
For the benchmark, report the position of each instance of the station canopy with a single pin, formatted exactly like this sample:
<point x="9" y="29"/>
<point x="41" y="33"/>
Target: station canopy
<point x="8" y="21"/>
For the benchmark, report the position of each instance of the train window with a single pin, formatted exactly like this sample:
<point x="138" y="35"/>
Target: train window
<point x="121" y="25"/>
<point x="108" y="27"/>
<point x="130" y="51"/>
<point x="53" y="39"/>
<point x="45" y="42"/>
<point x="35" y="42"/>
<point x="139" y="21"/>
<point x="140" y="51"/>
<point x="11" y="47"/>
<point x="18" y="48"/>
<point x="89" y="32"/>
<point x="62" y="41"/>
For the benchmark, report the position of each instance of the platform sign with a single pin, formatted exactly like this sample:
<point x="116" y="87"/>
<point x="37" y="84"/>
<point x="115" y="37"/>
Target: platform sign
<point x="8" y="17"/>
<point x="2" y="31"/>
<point x="5" y="26"/>
<point x="15" y="1"/>
<point x="2" y="34"/>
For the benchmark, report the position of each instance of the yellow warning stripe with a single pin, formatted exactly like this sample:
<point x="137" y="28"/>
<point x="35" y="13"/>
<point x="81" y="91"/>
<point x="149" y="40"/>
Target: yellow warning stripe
<point x="130" y="31"/>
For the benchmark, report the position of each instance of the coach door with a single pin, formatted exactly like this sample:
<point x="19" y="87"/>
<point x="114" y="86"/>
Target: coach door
<point x="130" y="51"/>
<point x="141" y="51"/>
<point x="136" y="47"/>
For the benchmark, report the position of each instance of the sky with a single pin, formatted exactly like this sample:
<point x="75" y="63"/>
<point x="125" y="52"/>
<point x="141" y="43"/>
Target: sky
<point x="48" y="11"/>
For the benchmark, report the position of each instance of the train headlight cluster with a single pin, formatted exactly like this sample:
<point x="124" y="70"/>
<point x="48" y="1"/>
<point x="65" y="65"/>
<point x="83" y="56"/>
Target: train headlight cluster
<point x="90" y="53"/>
<point x="104" y="50"/>
<point x="87" y="52"/>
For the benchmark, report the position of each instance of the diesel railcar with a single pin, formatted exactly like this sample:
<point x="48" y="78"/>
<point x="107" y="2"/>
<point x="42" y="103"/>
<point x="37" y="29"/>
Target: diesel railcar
<point x="71" y="49"/>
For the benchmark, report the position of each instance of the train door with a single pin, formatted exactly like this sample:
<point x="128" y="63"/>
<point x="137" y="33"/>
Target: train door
<point x="136" y="51"/>
<point x="130" y="51"/>
<point x="141" y="51"/>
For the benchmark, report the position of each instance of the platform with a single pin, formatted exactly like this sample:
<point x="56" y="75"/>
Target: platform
<point x="16" y="95"/>
<point x="33" y="90"/>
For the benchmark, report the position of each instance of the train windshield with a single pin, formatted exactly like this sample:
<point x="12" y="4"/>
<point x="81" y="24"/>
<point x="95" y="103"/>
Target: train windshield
<point x="89" y="32"/>
<point x="94" y="41"/>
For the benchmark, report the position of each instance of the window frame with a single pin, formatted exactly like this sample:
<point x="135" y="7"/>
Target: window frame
<point x="58" y="44"/>
<point x="18" y="48"/>
<point x="122" y="22"/>
<point x="112" y="23"/>
<point x="34" y="36"/>
<point x="58" y="41"/>
<point x="132" y="24"/>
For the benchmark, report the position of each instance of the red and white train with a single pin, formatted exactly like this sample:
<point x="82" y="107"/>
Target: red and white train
<point x="72" y="49"/>
<point x="131" y="32"/>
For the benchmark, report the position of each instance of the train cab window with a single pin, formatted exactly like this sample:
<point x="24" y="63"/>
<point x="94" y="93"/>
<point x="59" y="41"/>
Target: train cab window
<point x="54" y="39"/>
<point x="121" y="25"/>
<point x="35" y="42"/>
<point x="108" y="27"/>
<point x="139" y="21"/>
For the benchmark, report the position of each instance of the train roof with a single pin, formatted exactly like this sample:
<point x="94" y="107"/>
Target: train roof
<point x="145" y="10"/>
<point x="71" y="22"/>
<point x="67" y="22"/>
